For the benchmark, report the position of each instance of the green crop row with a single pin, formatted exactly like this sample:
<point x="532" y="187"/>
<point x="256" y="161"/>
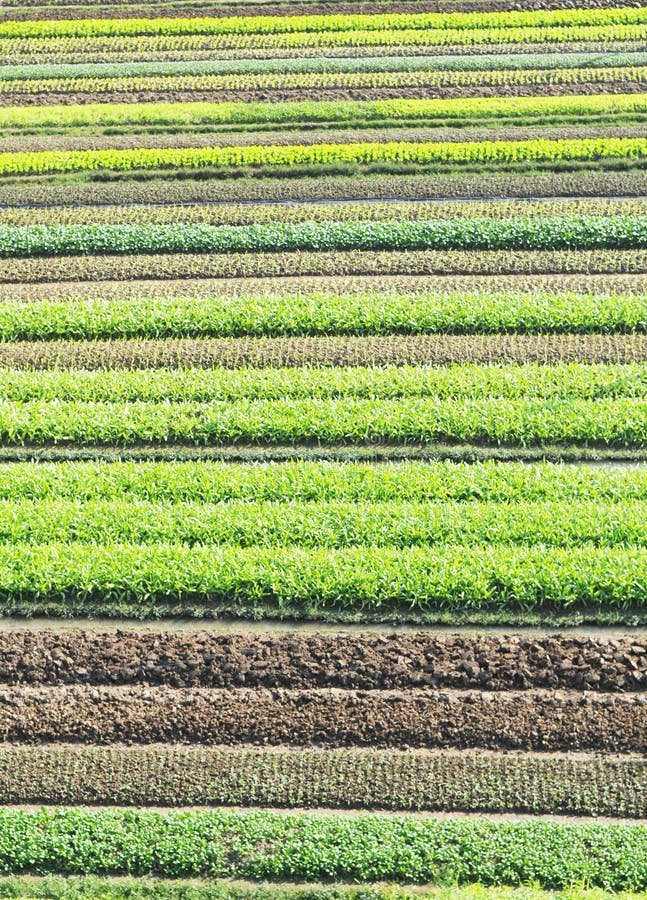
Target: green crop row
<point x="360" y="779"/>
<point x="309" y="847"/>
<point x="569" y="233"/>
<point x="141" y="46"/>
<point x="406" y="482"/>
<point x="193" y="114"/>
<point x="317" y="525"/>
<point x="323" y="23"/>
<point x="309" y="81"/>
<point x="483" y="62"/>
<point x="261" y="213"/>
<point x="490" y="421"/>
<point x="571" y="380"/>
<point x="384" y="583"/>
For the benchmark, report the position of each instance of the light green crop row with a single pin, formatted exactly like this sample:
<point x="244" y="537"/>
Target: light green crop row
<point x="490" y="421"/>
<point x="318" y="23"/>
<point x="569" y="380"/>
<point x="359" y="483"/>
<point x="308" y="81"/>
<point x="260" y="213"/>
<point x="416" y="583"/>
<point x="323" y="313"/>
<point x="482" y="62"/>
<point x="54" y="49"/>
<point x="246" y="524"/>
<point x="198" y="113"/>
<point x="42" y="162"/>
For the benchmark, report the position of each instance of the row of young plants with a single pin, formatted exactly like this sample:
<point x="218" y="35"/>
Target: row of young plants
<point x="336" y="779"/>
<point x="251" y="214"/>
<point x="212" y="482"/>
<point x="528" y="233"/>
<point x="461" y="382"/>
<point x="451" y="583"/>
<point x="367" y="848"/>
<point x="331" y="524"/>
<point x="598" y="107"/>
<point x="335" y="264"/>
<point x="481" y="61"/>
<point x="316" y="23"/>
<point x="309" y="81"/>
<point x="526" y="421"/>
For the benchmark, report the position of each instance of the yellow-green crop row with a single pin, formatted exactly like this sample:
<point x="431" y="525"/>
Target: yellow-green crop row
<point x="139" y="46"/>
<point x="41" y="162"/>
<point x="200" y="113"/>
<point x="323" y="80"/>
<point x="318" y="23"/>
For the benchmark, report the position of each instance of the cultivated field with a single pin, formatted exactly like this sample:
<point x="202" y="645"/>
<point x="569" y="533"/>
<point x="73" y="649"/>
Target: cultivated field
<point x="323" y="446"/>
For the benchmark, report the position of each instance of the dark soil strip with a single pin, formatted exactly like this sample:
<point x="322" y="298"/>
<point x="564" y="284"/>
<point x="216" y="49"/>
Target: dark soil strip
<point x="364" y="661"/>
<point x="604" y="285"/>
<point x="167" y="775"/>
<point x="38" y="142"/>
<point x="312" y="94"/>
<point x="359" y="187"/>
<point x="254" y="265"/>
<point x="439" y="350"/>
<point x="532" y="720"/>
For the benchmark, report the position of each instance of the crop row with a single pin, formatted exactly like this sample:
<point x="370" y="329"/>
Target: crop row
<point x="581" y="183"/>
<point x="319" y="313"/>
<point x="332" y="263"/>
<point x="304" y="81"/>
<point x="139" y="46"/>
<point x="324" y="525"/>
<point x="490" y="421"/>
<point x="481" y="61"/>
<point x="322" y="154"/>
<point x="308" y="847"/>
<point x="545" y="233"/>
<point x="360" y="779"/>
<point x="317" y="23"/>
<point x="261" y="353"/>
<point x="414" y="584"/>
<point x="251" y="214"/>
<point x="462" y="382"/>
<point x="404" y="482"/>
<point x="193" y="114"/>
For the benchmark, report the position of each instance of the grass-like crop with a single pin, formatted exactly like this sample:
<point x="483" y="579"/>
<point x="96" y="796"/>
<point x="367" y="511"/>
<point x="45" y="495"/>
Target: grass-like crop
<point x="601" y="107"/>
<point x="371" y="313"/>
<point x="366" y="848"/>
<point x="405" y="482"/>
<point x="546" y="233"/>
<point x="359" y="779"/>
<point x="324" y="525"/>
<point x="463" y="382"/>
<point x="525" y="421"/>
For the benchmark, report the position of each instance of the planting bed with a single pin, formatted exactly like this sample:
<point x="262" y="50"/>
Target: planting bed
<point x="287" y="292"/>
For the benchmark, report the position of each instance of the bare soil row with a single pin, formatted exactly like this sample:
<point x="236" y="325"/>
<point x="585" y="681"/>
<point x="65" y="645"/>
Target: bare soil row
<point x="526" y="720"/>
<point x="438" y="350"/>
<point x="366" y="661"/>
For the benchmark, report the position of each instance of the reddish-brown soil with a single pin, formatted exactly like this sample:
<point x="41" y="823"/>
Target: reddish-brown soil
<point x="531" y="720"/>
<point x="359" y="661"/>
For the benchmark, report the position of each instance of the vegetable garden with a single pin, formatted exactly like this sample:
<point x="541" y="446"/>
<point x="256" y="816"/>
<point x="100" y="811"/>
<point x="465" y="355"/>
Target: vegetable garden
<point x="323" y="447"/>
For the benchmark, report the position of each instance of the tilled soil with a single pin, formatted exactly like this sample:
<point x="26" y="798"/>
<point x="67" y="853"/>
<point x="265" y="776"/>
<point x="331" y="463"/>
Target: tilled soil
<point x="439" y="350"/>
<point x="533" y="720"/>
<point x="49" y="98"/>
<point x="351" y="661"/>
